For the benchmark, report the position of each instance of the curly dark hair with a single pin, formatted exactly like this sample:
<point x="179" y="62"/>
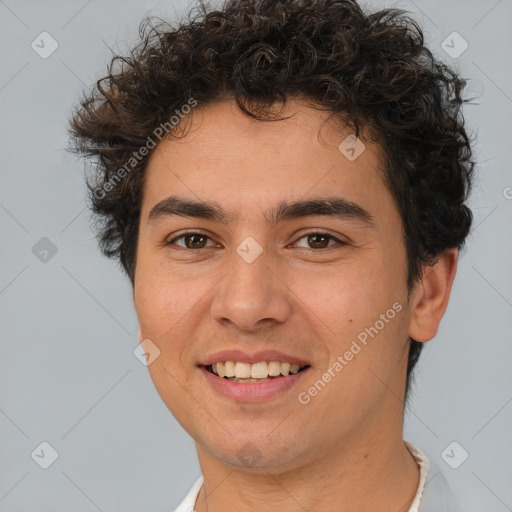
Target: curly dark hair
<point x="371" y="70"/>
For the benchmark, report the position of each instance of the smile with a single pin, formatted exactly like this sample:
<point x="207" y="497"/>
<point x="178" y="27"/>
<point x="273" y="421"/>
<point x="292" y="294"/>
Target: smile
<point x="236" y="371"/>
<point x="267" y="385"/>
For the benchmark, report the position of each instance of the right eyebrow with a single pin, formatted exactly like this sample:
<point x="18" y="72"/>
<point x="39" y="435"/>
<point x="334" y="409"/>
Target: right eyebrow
<point x="174" y="205"/>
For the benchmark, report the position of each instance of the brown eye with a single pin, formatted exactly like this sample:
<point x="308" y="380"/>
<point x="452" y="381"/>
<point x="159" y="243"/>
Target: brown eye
<point x="195" y="241"/>
<point x="318" y="241"/>
<point x="191" y="241"/>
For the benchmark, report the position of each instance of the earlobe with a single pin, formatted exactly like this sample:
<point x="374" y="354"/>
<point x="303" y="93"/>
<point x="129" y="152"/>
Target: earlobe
<point x="430" y="297"/>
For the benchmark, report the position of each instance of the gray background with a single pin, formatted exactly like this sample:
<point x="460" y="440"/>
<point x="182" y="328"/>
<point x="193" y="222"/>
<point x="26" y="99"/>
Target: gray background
<point x="68" y="373"/>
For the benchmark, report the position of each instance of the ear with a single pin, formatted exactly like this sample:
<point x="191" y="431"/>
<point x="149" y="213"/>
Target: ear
<point x="430" y="296"/>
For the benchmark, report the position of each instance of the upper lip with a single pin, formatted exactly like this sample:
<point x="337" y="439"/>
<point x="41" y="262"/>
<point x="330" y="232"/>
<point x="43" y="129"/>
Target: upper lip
<point x="255" y="357"/>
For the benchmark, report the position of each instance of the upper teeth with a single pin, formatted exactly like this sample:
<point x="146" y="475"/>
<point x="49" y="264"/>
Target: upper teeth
<point x="255" y="371"/>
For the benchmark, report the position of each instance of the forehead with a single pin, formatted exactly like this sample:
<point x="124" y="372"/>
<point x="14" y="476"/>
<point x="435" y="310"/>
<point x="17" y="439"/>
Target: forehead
<point x="296" y="128"/>
<point x="243" y="163"/>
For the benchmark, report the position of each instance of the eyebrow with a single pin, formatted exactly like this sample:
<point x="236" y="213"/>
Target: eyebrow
<point x="337" y="207"/>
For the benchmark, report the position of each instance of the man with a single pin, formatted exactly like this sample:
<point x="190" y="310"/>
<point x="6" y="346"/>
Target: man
<point x="285" y="184"/>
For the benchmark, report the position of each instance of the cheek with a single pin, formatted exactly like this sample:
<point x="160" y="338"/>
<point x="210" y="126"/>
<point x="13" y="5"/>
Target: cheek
<point x="351" y="293"/>
<point x="162" y="298"/>
<point x="162" y="312"/>
<point x="169" y="309"/>
<point x="347" y="305"/>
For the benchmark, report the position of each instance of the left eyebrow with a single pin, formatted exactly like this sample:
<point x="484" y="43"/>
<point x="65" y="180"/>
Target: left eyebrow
<point x="329" y="207"/>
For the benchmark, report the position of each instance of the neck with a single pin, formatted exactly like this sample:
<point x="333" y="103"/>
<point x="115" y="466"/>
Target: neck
<point x="372" y="471"/>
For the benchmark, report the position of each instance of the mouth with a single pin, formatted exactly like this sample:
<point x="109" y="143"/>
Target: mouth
<point x="260" y="372"/>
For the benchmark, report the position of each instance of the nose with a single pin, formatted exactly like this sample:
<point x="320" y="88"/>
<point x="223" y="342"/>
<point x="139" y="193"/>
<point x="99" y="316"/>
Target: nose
<point x="251" y="296"/>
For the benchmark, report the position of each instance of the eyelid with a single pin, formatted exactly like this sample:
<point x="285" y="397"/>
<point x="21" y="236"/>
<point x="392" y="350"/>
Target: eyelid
<point x="184" y="234"/>
<point x="320" y="232"/>
<point x="317" y="231"/>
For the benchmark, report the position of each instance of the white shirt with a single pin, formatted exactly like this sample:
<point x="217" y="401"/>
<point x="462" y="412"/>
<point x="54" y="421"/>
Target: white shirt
<point x="432" y="495"/>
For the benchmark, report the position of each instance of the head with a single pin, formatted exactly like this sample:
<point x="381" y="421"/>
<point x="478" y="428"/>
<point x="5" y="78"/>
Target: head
<point x="250" y="109"/>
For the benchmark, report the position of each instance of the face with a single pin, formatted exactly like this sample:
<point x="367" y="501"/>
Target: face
<point x="266" y="272"/>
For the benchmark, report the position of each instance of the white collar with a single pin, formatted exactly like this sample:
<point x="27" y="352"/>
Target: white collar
<point x="423" y="464"/>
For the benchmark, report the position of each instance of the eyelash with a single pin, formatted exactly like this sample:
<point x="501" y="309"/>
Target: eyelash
<point x="200" y="233"/>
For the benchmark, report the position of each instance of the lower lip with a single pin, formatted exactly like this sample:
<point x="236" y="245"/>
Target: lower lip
<point x="252" y="391"/>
